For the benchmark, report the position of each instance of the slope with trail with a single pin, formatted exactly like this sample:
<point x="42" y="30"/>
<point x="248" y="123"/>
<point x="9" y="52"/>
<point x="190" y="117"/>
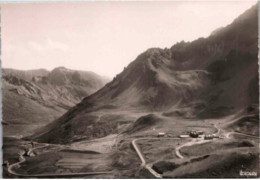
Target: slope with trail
<point x="207" y="78"/>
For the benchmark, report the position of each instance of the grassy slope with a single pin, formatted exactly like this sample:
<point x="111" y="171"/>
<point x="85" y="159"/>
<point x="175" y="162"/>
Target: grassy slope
<point x="31" y="99"/>
<point x="199" y="79"/>
<point x="25" y="114"/>
<point x="227" y="165"/>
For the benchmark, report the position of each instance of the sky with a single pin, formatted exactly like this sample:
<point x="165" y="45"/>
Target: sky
<point x="104" y="37"/>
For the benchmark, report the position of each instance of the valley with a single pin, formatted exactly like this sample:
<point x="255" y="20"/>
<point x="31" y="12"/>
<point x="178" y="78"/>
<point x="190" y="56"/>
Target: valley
<point x="188" y="111"/>
<point x="151" y="156"/>
<point x="34" y="98"/>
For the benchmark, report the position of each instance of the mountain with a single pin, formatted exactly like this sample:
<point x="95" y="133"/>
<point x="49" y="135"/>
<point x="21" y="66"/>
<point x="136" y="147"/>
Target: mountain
<point x="36" y="97"/>
<point x="207" y="78"/>
<point x="26" y="75"/>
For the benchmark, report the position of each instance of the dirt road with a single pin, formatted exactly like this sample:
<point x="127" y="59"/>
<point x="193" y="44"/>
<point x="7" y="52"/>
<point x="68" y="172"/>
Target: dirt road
<point x="22" y="159"/>
<point x="140" y="155"/>
<point x="201" y="140"/>
<point x="64" y="175"/>
<point x="190" y="143"/>
<point x="227" y="135"/>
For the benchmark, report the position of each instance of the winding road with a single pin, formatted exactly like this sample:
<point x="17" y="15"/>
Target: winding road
<point x="22" y="159"/>
<point x="228" y="134"/>
<point x="190" y="143"/>
<point x="242" y="134"/>
<point x="50" y="175"/>
<point x="195" y="141"/>
<point x="140" y="155"/>
<point x="200" y="140"/>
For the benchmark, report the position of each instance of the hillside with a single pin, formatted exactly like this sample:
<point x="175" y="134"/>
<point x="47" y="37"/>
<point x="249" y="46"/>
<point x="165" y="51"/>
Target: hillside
<point x="36" y="97"/>
<point x="208" y="78"/>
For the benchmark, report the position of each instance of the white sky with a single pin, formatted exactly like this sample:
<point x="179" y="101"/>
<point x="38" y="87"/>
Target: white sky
<point x="103" y="37"/>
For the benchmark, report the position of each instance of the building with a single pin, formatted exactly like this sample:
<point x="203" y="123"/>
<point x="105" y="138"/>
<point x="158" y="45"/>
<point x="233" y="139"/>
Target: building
<point x="184" y="136"/>
<point x="215" y="136"/>
<point x="208" y="136"/>
<point x="194" y="134"/>
<point x="161" y="134"/>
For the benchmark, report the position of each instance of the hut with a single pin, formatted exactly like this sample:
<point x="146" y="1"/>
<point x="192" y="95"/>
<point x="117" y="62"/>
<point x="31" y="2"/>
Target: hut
<point x="184" y="136"/>
<point x="208" y="136"/>
<point x="194" y="134"/>
<point x="161" y="134"/>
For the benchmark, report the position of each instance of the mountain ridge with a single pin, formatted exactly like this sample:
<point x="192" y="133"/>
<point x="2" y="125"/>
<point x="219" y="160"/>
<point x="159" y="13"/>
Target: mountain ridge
<point x="37" y="97"/>
<point x="206" y="78"/>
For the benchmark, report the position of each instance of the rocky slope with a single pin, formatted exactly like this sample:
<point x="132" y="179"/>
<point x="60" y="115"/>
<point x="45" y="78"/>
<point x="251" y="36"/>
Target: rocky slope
<point x="37" y="97"/>
<point x="209" y="77"/>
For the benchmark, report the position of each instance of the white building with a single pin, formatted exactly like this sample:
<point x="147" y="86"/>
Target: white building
<point x="161" y="134"/>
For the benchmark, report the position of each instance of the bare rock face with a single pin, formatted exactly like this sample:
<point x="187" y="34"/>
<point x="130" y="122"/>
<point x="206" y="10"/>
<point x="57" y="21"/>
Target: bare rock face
<point x="207" y="78"/>
<point x="37" y="97"/>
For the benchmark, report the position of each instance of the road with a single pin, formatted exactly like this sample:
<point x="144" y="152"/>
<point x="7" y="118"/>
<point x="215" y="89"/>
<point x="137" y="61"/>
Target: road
<point x="10" y="168"/>
<point x="177" y="150"/>
<point x="140" y="155"/>
<point x="202" y="141"/>
<point x="22" y="159"/>
<point x="242" y="134"/>
<point x="227" y="134"/>
<point x="190" y="143"/>
<point x="194" y="141"/>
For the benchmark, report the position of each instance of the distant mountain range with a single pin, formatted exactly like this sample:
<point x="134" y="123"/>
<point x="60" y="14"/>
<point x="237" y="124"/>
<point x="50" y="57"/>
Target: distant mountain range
<point x="37" y="97"/>
<point x="206" y="78"/>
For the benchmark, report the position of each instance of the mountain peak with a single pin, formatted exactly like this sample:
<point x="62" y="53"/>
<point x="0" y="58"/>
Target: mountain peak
<point x="206" y="78"/>
<point x="61" y="69"/>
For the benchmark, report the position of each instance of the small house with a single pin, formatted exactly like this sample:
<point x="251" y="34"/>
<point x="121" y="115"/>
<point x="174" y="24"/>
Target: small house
<point x="184" y="136"/>
<point x="161" y="134"/>
<point x="208" y="136"/>
<point x="215" y="136"/>
<point x="194" y="134"/>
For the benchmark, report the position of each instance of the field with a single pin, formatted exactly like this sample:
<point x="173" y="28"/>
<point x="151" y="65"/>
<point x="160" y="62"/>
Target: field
<point x="166" y="156"/>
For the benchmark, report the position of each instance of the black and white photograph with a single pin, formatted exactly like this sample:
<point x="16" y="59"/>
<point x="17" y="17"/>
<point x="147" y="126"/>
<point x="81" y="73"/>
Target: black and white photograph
<point x="129" y="89"/>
